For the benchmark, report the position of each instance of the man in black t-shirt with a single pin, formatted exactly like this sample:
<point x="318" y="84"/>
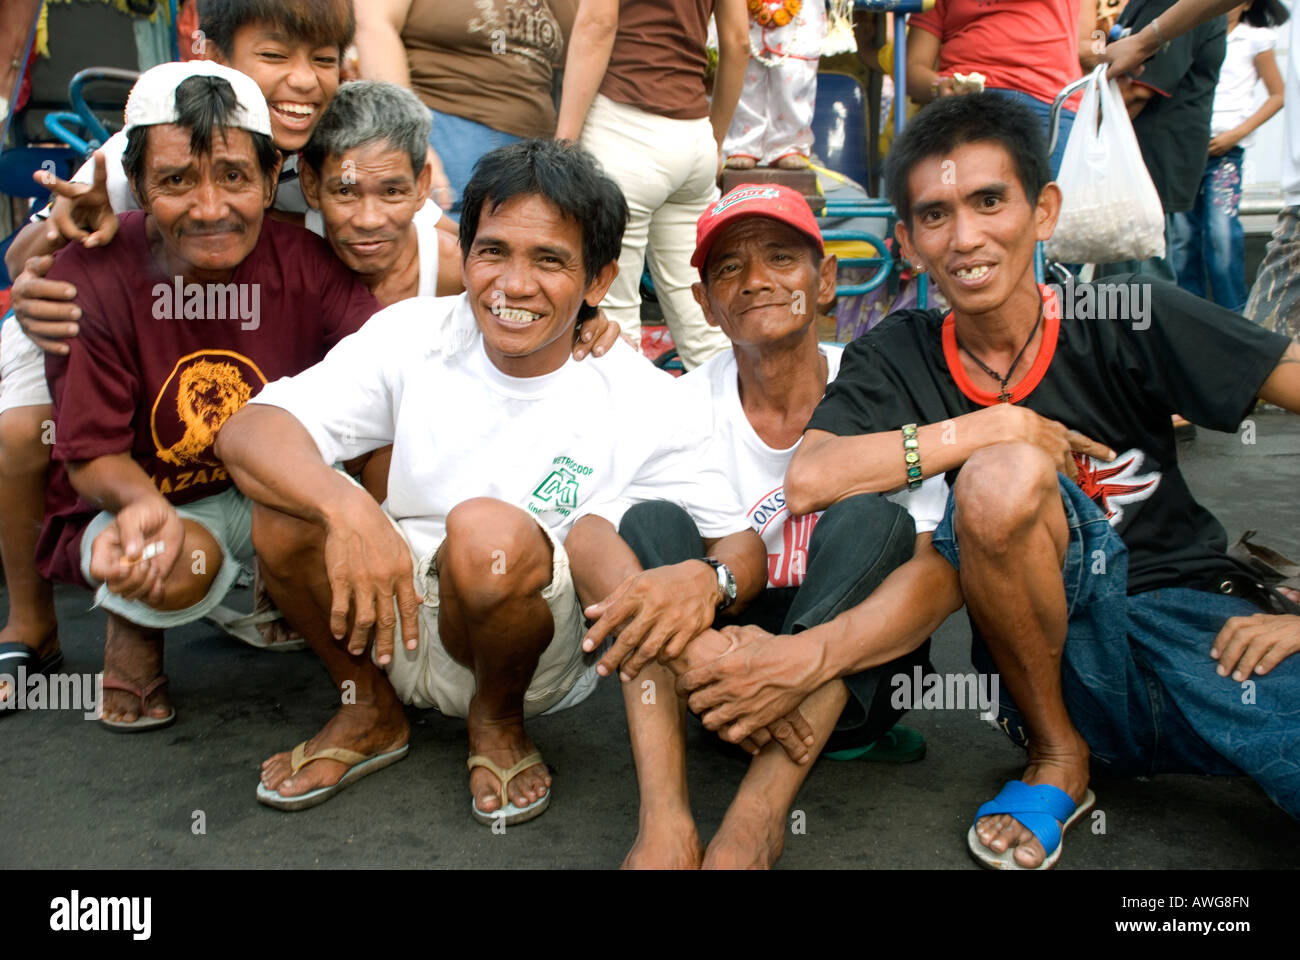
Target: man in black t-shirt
<point x="1096" y="585"/>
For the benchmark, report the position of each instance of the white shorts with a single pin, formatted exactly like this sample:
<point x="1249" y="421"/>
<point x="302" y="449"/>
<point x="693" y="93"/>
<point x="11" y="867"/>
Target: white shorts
<point x="428" y="676"/>
<point x="22" y="369"/>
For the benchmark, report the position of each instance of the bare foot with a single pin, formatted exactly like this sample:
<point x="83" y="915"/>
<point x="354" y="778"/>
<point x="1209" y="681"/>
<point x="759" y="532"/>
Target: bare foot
<point x="44" y="640"/>
<point x="1066" y="770"/>
<point x="135" y="655"/>
<point x="792" y="161"/>
<point x="751" y="838"/>
<point x="505" y="743"/>
<point x="361" y="727"/>
<point x="740" y="163"/>
<point x="668" y="842"/>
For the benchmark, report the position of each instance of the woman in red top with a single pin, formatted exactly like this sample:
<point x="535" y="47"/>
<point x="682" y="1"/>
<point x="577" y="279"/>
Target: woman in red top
<point x="1026" y="49"/>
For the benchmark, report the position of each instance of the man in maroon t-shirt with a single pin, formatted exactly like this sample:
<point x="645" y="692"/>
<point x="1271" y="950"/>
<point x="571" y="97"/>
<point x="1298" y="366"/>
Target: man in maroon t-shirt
<point x="196" y="305"/>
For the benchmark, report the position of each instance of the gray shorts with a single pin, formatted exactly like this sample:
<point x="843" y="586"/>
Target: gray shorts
<point x="228" y="516"/>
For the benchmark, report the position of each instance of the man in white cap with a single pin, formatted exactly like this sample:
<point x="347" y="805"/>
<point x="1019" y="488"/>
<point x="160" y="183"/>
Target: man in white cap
<point x="196" y="303"/>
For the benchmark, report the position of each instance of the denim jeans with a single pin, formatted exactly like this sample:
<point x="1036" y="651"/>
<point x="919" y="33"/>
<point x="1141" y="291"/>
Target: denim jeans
<point x="1065" y="120"/>
<point x="855" y="545"/>
<point x="459" y="143"/>
<point x="1137" y="677"/>
<point x="1207" y="244"/>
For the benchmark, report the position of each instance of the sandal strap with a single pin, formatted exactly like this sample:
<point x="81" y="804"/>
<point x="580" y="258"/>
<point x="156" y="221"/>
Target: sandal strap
<point x="505" y="776"/>
<point x="299" y="758"/>
<point x="1041" y="809"/>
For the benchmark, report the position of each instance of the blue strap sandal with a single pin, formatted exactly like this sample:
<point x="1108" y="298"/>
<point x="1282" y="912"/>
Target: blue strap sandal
<point x="1045" y="811"/>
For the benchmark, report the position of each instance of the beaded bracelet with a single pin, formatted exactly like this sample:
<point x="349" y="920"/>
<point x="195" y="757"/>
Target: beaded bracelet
<point x="912" y="456"/>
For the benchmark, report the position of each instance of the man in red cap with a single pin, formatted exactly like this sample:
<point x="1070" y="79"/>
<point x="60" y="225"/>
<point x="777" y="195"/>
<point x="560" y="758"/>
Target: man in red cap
<point x="763" y="271"/>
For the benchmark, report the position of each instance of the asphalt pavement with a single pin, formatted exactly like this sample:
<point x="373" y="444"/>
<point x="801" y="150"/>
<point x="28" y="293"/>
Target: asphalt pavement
<point x="73" y="795"/>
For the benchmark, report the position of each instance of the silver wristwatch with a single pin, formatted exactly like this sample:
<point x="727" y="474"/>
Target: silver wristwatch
<point x="726" y="582"/>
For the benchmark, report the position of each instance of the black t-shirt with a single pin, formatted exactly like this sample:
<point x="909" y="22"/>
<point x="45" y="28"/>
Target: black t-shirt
<point x="1116" y="384"/>
<point x="1173" y="128"/>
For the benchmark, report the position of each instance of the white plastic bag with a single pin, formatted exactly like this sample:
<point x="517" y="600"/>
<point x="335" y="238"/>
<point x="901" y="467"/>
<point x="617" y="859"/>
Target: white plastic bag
<point x="1110" y="210"/>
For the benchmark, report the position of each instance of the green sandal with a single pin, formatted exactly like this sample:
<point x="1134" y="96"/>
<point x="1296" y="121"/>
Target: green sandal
<point x="900" y="744"/>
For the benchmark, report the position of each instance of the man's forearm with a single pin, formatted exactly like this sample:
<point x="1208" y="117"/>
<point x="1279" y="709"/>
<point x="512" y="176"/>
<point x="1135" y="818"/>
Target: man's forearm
<point x="833" y="468"/>
<point x="894" y="620"/>
<point x="32" y="241"/>
<point x="111" y="482"/>
<point x="746" y="556"/>
<point x="274" y="461"/>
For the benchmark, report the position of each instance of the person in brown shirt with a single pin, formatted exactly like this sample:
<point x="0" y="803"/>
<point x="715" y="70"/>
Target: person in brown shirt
<point x="484" y="69"/>
<point x="634" y="95"/>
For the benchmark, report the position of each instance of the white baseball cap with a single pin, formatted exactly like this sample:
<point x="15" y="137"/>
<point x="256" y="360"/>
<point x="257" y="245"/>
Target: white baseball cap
<point x="153" y="98"/>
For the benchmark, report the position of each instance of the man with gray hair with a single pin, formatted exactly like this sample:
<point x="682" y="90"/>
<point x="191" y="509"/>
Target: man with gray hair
<point x="366" y="178"/>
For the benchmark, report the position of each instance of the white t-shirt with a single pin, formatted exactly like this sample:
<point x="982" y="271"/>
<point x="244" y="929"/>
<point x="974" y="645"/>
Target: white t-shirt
<point x="579" y="440"/>
<point x="1291" y="119"/>
<point x="756" y="471"/>
<point x="1234" y="95"/>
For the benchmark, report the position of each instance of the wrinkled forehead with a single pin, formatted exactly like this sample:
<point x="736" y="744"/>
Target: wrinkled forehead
<point x="757" y="230"/>
<point x="170" y="145"/>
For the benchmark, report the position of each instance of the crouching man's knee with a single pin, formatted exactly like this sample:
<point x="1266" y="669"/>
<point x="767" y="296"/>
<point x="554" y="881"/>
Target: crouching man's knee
<point x="1002" y="491"/>
<point x="660" y="533"/>
<point x="26" y="436"/>
<point x="494" y="552"/>
<point x="283" y="542"/>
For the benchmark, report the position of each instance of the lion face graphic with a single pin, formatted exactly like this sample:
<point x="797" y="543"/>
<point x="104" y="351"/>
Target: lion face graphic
<point x="207" y="394"/>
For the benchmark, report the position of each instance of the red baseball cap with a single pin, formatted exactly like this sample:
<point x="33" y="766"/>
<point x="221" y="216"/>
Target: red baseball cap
<point x="770" y="200"/>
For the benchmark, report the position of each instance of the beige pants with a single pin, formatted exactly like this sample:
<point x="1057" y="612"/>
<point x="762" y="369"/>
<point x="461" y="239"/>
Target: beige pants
<point x="667" y="170"/>
<point x="428" y="676"/>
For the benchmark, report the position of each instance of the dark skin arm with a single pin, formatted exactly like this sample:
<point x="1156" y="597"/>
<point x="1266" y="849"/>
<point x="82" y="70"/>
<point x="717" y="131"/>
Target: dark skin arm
<point x="273" y="460"/>
<point x="754" y="683"/>
<point x="142" y="515"/>
<point x="599" y="557"/>
<point x="828" y="468"/>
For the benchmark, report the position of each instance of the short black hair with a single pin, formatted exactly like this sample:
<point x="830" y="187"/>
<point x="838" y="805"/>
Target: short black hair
<point x="318" y="22"/>
<point x="562" y="173"/>
<point x="203" y="103"/>
<point x="1265" y="13"/>
<point x="949" y="122"/>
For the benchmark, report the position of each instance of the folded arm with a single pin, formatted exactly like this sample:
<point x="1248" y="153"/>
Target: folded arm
<point x="274" y="461"/>
<point x="758" y="680"/>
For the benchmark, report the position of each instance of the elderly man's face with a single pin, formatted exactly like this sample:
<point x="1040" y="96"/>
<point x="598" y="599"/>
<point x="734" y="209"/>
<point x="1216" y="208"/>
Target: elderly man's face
<point x="207" y="209"/>
<point x="297" y="79"/>
<point x="526" y="280"/>
<point x="763" y="282"/>
<point x="367" y="198"/>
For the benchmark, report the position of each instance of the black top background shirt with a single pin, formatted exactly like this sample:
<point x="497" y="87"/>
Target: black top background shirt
<point x="1173" y="128"/>
<point x="1116" y="384"/>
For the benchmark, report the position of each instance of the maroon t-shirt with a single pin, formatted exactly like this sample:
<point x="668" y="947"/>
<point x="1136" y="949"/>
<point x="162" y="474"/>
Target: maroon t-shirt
<point x="159" y="364"/>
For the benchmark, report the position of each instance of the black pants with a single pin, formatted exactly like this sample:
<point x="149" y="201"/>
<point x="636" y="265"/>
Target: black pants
<point x="856" y="544"/>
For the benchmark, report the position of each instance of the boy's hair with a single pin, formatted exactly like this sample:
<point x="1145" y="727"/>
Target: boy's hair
<point x="203" y="103"/>
<point x="562" y="173"/>
<point x="370" y="111"/>
<point x="949" y="122"/>
<point x="1265" y="13"/>
<point x="318" y="22"/>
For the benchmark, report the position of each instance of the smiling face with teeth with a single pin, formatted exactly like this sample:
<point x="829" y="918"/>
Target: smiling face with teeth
<point x="298" y="78"/>
<point x="973" y="228"/>
<point x="525" y="277"/>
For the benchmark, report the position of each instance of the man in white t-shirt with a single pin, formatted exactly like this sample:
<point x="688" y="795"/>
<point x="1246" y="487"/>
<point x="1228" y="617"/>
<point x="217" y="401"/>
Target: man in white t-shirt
<point x="762" y="274"/>
<point x="500" y="441"/>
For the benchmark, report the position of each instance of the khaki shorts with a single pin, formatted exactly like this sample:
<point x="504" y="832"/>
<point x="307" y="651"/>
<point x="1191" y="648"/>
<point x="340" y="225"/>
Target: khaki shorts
<point x="428" y="676"/>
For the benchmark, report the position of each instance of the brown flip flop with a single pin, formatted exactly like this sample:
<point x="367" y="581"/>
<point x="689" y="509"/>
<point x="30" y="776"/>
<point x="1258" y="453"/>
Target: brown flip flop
<point x="144" y="722"/>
